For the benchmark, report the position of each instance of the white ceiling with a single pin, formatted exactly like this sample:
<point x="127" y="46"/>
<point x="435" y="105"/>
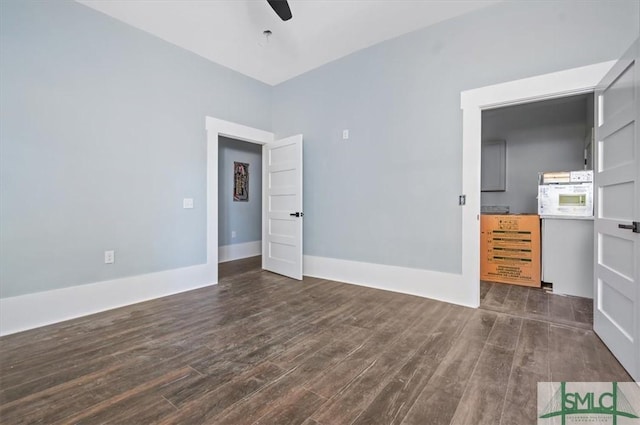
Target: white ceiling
<point x="229" y="32"/>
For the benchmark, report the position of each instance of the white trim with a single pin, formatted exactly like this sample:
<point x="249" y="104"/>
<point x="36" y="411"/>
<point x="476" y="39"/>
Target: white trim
<point x="547" y="86"/>
<point x="473" y="102"/>
<point x="239" y="251"/>
<point x="423" y="283"/>
<point x="44" y="308"/>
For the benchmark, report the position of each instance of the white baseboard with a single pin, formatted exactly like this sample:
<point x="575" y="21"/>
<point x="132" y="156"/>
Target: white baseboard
<point x="44" y="308"/>
<point x="440" y="286"/>
<point x="238" y="251"/>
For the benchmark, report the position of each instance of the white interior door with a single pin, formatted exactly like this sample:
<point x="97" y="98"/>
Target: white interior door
<point x="282" y="198"/>
<point x="617" y="195"/>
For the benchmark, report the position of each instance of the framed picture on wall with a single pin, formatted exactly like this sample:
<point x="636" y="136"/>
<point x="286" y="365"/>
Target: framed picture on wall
<point x="240" y="182"/>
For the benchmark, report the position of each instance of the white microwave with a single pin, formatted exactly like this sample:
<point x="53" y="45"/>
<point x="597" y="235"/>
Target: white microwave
<point x="566" y="194"/>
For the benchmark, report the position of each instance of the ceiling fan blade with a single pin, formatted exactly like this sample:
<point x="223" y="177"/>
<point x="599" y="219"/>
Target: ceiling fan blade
<point x="281" y="7"/>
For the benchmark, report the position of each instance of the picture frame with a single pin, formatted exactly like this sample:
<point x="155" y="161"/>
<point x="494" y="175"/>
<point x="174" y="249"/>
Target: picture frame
<point x="240" y="181"/>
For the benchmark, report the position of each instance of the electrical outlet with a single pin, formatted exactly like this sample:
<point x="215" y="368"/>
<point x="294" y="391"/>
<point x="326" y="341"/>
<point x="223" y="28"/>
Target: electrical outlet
<point x="233" y="233"/>
<point x="345" y="134"/>
<point x="109" y="257"/>
<point x="187" y="203"/>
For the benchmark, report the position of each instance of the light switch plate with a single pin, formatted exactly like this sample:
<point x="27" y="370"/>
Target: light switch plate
<point x="187" y="203"/>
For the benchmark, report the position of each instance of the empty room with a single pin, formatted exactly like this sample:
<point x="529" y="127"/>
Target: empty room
<point x="319" y="212"/>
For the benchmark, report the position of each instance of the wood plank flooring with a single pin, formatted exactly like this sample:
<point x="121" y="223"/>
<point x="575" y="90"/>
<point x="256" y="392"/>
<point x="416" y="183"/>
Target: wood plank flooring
<point x="535" y="303"/>
<point x="262" y="349"/>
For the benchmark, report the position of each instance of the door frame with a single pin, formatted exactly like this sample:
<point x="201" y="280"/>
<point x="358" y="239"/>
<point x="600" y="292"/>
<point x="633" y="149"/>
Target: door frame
<point x="217" y="127"/>
<point x="542" y="87"/>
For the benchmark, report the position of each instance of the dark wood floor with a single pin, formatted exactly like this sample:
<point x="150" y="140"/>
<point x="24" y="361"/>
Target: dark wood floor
<point x="262" y="349"/>
<point x="537" y="304"/>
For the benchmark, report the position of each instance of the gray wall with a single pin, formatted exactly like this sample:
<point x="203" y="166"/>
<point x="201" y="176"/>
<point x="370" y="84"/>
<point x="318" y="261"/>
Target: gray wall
<point x="541" y="136"/>
<point x="245" y="218"/>
<point x="102" y="134"/>
<point x="389" y="195"/>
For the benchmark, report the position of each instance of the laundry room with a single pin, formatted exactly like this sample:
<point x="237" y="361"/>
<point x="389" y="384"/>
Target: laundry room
<point x="537" y="195"/>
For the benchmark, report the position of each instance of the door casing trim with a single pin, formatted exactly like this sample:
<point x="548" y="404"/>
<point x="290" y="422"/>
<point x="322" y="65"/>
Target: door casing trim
<point x="217" y="127"/>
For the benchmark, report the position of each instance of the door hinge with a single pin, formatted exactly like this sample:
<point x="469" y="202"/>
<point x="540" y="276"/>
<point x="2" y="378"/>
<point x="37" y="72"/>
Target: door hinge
<point x="462" y="200"/>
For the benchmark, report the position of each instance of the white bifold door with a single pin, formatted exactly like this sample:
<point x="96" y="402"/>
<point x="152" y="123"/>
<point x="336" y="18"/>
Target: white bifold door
<point x="282" y="203"/>
<point x="617" y="213"/>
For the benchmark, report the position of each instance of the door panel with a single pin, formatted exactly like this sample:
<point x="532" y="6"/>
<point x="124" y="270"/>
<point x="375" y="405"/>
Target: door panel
<point x="617" y="201"/>
<point x="617" y="254"/>
<point x="618" y="95"/>
<point x="617" y="185"/>
<point x="618" y="308"/>
<point x="282" y="231"/>
<point x="617" y="149"/>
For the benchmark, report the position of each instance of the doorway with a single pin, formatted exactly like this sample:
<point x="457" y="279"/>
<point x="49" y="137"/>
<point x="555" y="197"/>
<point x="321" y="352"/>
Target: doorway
<point x="216" y="128"/>
<point x="239" y="199"/>
<point x="518" y="143"/>
<point x="473" y="102"/>
<point x="282" y="192"/>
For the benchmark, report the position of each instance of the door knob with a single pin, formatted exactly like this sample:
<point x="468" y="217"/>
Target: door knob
<point x="634" y="226"/>
<point x="297" y="214"/>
